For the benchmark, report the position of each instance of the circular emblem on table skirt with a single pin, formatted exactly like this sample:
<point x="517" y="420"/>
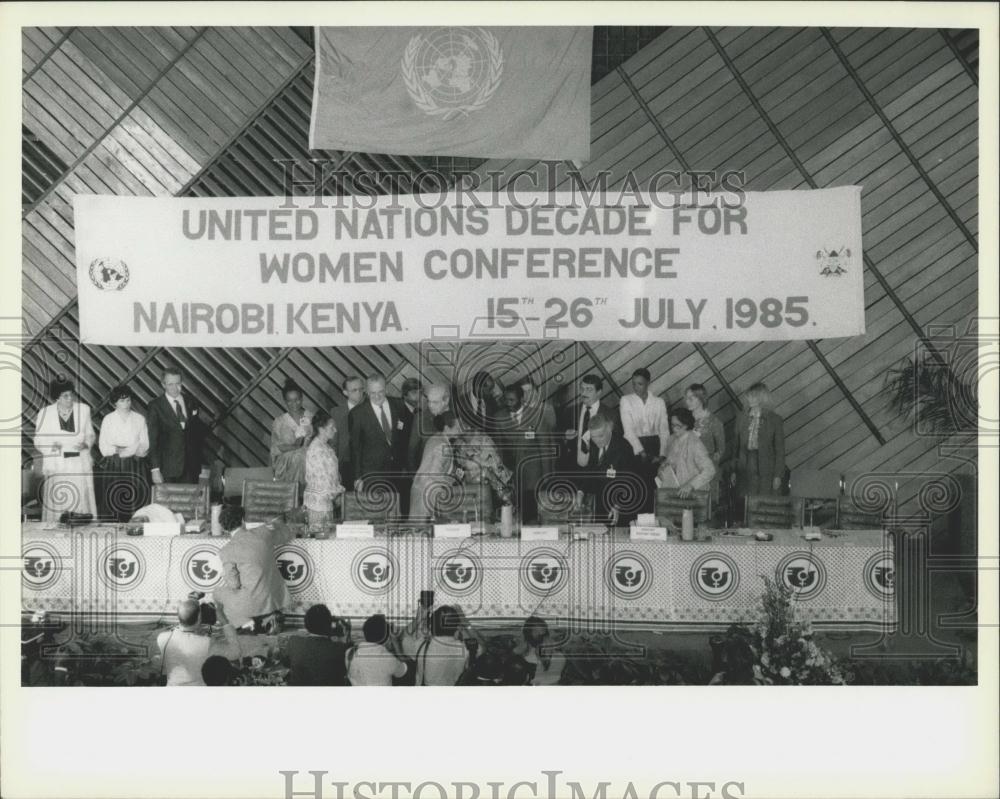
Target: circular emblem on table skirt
<point x="629" y="575"/>
<point x="121" y="567"/>
<point x="880" y="576"/>
<point x="459" y="573"/>
<point x="803" y="573"/>
<point x="296" y="568"/>
<point x="42" y="566"/>
<point x="715" y="576"/>
<point x="544" y="571"/>
<point x="374" y="570"/>
<point x="201" y="567"/>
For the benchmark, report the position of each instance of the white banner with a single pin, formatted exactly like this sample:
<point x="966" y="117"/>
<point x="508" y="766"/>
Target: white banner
<point x="266" y="272"/>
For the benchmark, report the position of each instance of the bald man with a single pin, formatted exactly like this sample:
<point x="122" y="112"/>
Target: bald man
<point x="184" y="649"/>
<point x="438" y="401"/>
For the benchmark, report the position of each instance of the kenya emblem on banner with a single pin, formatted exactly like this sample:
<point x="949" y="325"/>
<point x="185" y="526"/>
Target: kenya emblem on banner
<point x="468" y="91"/>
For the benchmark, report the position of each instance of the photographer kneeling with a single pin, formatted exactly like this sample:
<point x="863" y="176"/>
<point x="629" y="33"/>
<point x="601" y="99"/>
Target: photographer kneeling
<point x="184" y="649"/>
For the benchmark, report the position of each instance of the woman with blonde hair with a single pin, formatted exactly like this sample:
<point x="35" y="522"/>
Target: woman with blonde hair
<point x="759" y="449"/>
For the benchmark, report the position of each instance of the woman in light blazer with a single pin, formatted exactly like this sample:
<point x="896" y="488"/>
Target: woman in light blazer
<point x="759" y="448"/>
<point x="64" y="435"/>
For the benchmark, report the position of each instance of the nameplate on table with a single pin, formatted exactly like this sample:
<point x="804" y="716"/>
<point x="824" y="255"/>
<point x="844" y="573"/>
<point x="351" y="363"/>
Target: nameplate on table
<point x="644" y="533"/>
<point x="452" y="530"/>
<point x="355" y="530"/>
<point x="539" y="533"/>
<point x="162" y="528"/>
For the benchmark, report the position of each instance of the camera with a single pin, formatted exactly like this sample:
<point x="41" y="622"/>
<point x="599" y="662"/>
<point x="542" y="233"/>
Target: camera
<point x="206" y="610"/>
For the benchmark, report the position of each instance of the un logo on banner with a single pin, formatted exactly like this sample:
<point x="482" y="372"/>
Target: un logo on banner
<point x="296" y="567"/>
<point x="122" y="567"/>
<point x="451" y="72"/>
<point x="715" y="576"/>
<point x="42" y="566"/>
<point x="459" y="573"/>
<point x="374" y="571"/>
<point x="880" y="576"/>
<point x="802" y="573"/>
<point x="108" y="274"/>
<point x="544" y="572"/>
<point x="629" y="575"/>
<point x="201" y="567"/>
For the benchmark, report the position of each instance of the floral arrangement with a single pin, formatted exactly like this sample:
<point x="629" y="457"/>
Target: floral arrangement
<point x="779" y="648"/>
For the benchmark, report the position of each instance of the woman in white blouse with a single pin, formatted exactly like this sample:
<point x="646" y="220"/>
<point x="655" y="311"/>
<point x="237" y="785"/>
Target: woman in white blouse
<point x="124" y="444"/>
<point x="64" y="436"/>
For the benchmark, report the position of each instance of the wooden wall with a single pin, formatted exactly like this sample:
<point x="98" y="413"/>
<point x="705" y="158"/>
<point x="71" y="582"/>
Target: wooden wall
<point x="206" y="112"/>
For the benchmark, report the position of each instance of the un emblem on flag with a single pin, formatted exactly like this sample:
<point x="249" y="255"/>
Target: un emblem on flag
<point x="451" y="72"/>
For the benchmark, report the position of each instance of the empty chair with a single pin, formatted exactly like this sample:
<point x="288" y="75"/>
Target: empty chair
<point x="188" y="499"/>
<point x="462" y="504"/>
<point x="670" y="507"/>
<point x="817" y="491"/>
<point x="234" y="478"/>
<point x="765" y="511"/>
<point x="267" y="500"/>
<point x="849" y="517"/>
<point x="372" y="506"/>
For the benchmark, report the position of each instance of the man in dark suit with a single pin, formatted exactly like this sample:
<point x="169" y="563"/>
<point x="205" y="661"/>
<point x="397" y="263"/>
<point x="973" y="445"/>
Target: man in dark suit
<point x="378" y="445"/>
<point x="176" y="434"/>
<point x="476" y="406"/>
<point x="611" y="475"/>
<point x="354" y="393"/>
<point x="577" y="455"/>
<point x="523" y="451"/>
<point x="409" y="408"/>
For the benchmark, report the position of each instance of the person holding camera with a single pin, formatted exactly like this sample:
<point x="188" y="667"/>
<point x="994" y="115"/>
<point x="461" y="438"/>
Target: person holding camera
<point x="254" y="590"/>
<point x="374" y="660"/>
<point x="317" y="658"/>
<point x="183" y="650"/>
<point x="444" y="658"/>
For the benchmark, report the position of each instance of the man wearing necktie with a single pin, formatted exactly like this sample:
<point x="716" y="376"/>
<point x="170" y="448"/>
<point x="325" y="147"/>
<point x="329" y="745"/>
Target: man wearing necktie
<point x="378" y="440"/>
<point x="611" y="476"/>
<point x="523" y="451"/>
<point x="176" y="434"/>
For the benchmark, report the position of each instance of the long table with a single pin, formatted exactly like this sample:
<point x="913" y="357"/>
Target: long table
<point x="843" y="582"/>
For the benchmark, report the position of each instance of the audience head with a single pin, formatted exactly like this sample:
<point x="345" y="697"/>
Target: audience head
<point x="354" y="389"/>
<point x="323" y="425"/>
<point x="61" y="391"/>
<point x="681" y="419"/>
<point x="694" y="397"/>
<point x="758" y="396"/>
<point x="188" y="613"/>
<point x="231" y="517"/>
<point x="446" y="622"/>
<point x="601" y="430"/>
<point x="319" y="620"/>
<point x="217" y="671"/>
<point x="640" y="382"/>
<point x="438" y="398"/>
<point x="292" y="395"/>
<point x="173" y="382"/>
<point x="513" y="397"/>
<point x="376" y="388"/>
<point x="411" y="391"/>
<point x="376" y="629"/>
<point x="590" y="389"/>
<point x="535" y="631"/>
<point x="122" y="397"/>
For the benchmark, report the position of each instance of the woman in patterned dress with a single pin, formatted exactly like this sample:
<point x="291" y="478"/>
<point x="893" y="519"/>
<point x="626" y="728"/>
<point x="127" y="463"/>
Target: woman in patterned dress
<point x="322" y="474"/>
